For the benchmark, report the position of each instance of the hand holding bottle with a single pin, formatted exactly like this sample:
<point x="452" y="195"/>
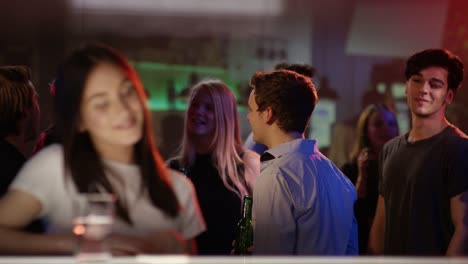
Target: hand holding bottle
<point x="243" y="245"/>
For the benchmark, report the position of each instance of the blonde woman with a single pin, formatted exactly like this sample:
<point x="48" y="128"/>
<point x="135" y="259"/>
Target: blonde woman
<point x="376" y="126"/>
<point x="212" y="156"/>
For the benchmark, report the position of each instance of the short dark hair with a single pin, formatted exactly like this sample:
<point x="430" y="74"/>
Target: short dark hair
<point x="303" y="69"/>
<point x="16" y="97"/>
<point x="440" y="58"/>
<point x="291" y="96"/>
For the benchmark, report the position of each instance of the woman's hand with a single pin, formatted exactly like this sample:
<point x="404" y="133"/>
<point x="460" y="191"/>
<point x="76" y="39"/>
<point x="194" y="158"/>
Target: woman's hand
<point x="363" y="159"/>
<point x="363" y="163"/>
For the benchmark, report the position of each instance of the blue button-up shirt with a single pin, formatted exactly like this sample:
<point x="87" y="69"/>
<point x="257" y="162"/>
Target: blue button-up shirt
<point x="303" y="204"/>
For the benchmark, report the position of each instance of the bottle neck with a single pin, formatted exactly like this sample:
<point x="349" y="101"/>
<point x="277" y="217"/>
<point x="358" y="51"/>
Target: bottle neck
<point x="247" y="207"/>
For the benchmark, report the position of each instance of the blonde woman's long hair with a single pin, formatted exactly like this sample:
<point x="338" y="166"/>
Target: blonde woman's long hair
<point x="226" y="144"/>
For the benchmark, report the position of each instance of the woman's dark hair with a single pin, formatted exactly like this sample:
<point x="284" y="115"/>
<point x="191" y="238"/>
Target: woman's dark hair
<point x="82" y="161"/>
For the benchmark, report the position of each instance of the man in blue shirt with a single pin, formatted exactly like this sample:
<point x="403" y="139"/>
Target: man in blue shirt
<point x="302" y="203"/>
<point x="303" y="69"/>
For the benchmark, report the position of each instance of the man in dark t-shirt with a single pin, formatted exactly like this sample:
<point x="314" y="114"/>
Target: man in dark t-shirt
<point x="423" y="186"/>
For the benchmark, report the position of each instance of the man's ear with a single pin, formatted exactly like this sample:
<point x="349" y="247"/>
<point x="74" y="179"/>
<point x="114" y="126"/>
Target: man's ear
<point x="449" y="97"/>
<point x="268" y="116"/>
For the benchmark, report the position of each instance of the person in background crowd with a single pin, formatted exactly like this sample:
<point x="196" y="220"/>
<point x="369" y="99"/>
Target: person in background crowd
<point x="423" y="187"/>
<point x="376" y="126"/>
<point x="212" y="156"/>
<point x="19" y="123"/>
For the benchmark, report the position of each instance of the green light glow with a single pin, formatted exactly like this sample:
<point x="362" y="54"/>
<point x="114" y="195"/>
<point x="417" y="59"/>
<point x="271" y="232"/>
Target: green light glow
<point x="156" y="78"/>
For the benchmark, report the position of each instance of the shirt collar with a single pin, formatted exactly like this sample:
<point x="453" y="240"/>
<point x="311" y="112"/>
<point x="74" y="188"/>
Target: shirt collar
<point x="306" y="146"/>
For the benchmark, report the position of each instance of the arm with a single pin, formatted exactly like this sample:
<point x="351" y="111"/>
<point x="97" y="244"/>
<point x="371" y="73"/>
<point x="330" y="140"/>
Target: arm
<point x="251" y="168"/>
<point x="361" y="184"/>
<point x="165" y="242"/>
<point x="377" y="233"/>
<point x="17" y="209"/>
<point x="191" y="222"/>
<point x="459" y="212"/>
<point x="174" y="243"/>
<point x="364" y="157"/>
<point x="191" y="247"/>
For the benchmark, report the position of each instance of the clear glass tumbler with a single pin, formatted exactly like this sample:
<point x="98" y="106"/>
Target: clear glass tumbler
<point x="92" y="224"/>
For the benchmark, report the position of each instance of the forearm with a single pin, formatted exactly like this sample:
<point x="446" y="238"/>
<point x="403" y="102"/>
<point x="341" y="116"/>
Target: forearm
<point x="361" y="183"/>
<point x="376" y="240"/>
<point x="377" y="233"/>
<point x="13" y="242"/>
<point x="361" y="187"/>
<point x="459" y="243"/>
<point x="459" y="212"/>
<point x="191" y="247"/>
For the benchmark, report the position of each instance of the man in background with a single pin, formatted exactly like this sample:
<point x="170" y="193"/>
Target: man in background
<point x="19" y="124"/>
<point x="423" y="184"/>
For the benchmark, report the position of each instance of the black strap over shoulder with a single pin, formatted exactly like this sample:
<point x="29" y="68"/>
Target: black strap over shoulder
<point x="174" y="164"/>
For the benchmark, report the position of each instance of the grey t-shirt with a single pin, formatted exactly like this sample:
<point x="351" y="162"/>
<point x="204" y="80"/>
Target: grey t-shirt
<point x="417" y="181"/>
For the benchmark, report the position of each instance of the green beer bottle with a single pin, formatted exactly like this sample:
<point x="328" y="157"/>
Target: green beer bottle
<point x="245" y="228"/>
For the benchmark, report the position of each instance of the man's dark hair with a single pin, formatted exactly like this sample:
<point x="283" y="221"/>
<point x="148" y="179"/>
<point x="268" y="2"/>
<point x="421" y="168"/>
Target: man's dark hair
<point x="438" y="58"/>
<point x="291" y="96"/>
<point x="16" y="97"/>
<point x="303" y="69"/>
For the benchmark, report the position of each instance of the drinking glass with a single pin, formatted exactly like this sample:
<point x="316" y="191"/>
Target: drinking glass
<point x="92" y="224"/>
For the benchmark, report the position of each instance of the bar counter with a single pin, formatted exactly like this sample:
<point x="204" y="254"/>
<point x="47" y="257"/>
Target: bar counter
<point x="150" y="259"/>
